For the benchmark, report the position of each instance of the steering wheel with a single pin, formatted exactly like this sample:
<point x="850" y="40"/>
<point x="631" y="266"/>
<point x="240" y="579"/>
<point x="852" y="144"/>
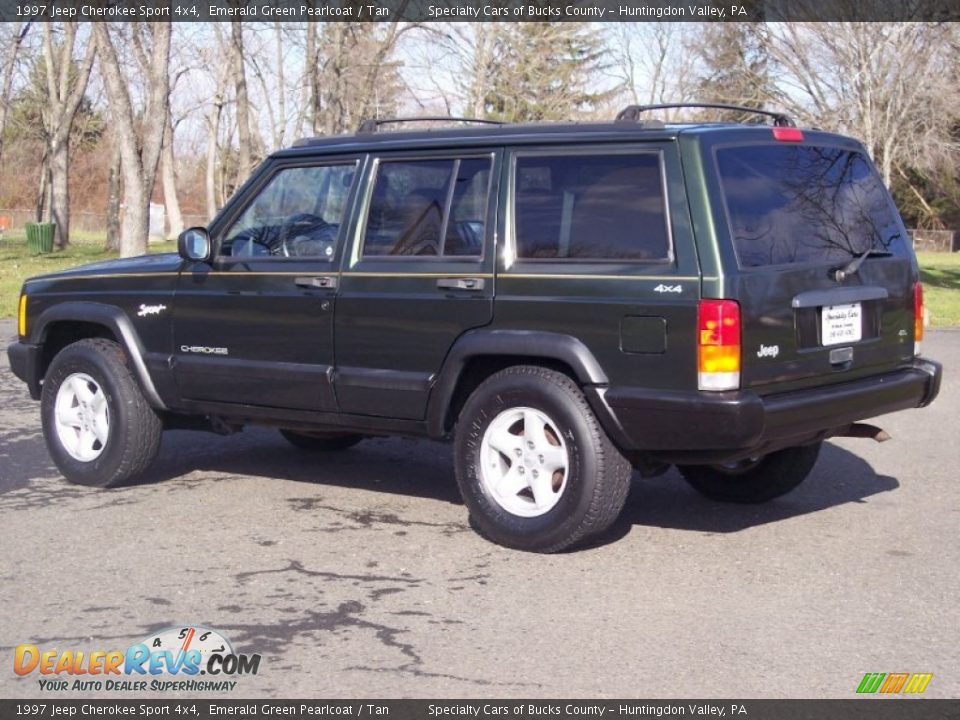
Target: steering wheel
<point x="313" y="222"/>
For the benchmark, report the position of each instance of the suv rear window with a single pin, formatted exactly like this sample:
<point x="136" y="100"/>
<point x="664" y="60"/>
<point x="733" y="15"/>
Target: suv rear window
<point x="806" y="204"/>
<point x="591" y="207"/>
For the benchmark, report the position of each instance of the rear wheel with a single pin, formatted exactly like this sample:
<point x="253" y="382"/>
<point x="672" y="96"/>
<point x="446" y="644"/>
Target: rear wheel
<point x="98" y="427"/>
<point x="753" y="480"/>
<point x="321" y="442"/>
<point x="535" y="468"/>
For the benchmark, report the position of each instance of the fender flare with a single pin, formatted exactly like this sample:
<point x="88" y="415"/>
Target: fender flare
<point x="117" y="321"/>
<point x="478" y="343"/>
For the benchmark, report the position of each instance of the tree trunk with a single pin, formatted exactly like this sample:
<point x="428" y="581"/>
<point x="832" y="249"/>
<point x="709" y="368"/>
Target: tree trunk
<point x="113" y="201"/>
<point x="243" y="103"/>
<point x="135" y="231"/>
<point x="64" y="95"/>
<point x="139" y="130"/>
<point x="213" y="131"/>
<point x="60" y="190"/>
<point x="43" y="191"/>
<point x="310" y="79"/>
<point x="9" y="62"/>
<point x="169" y="178"/>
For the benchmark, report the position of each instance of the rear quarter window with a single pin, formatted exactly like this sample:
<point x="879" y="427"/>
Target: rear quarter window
<point x="791" y="204"/>
<point x="590" y="207"/>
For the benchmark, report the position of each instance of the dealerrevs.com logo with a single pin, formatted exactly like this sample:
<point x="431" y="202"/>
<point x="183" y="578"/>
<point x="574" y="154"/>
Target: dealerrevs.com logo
<point x="183" y="659"/>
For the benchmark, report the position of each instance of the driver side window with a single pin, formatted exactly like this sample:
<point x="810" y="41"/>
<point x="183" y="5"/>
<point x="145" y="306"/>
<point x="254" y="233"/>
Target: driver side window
<point x="296" y="215"/>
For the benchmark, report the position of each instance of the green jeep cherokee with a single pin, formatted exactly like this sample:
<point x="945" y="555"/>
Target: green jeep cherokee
<point x="566" y="302"/>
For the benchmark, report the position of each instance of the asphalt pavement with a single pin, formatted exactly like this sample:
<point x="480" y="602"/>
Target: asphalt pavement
<point x="356" y="574"/>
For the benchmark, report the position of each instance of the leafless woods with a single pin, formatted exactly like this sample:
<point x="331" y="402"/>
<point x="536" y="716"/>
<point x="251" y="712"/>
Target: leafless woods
<point x="106" y="118"/>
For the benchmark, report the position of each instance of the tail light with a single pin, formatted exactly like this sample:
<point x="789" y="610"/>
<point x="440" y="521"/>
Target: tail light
<point x="917" y="317"/>
<point x="718" y="345"/>
<point x="788" y="134"/>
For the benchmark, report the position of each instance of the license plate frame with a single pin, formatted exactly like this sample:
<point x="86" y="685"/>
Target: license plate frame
<point x="841" y="324"/>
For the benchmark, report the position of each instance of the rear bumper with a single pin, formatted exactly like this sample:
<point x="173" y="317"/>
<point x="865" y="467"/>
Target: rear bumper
<point x="689" y="427"/>
<point x="25" y="363"/>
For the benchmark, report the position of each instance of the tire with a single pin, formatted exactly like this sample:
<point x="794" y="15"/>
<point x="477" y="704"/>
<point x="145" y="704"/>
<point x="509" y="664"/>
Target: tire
<point x="106" y="434"/>
<point x="756" y="481"/>
<point x="321" y="442"/>
<point x="581" y="499"/>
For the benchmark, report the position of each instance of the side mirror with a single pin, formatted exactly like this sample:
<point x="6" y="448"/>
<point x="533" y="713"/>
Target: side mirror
<point x="194" y="244"/>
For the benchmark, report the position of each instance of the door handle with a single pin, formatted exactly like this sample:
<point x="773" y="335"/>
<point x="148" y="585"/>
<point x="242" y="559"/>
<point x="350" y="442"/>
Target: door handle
<point x="325" y="282"/>
<point x="460" y="283"/>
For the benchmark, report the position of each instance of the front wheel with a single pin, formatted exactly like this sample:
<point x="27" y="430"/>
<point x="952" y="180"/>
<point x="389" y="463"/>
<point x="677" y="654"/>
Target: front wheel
<point x="753" y="480"/>
<point x="535" y="468"/>
<point x="98" y="427"/>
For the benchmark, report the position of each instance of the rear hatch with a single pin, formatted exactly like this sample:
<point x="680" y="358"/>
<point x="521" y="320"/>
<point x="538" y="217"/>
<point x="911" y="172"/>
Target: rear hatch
<point x="817" y="256"/>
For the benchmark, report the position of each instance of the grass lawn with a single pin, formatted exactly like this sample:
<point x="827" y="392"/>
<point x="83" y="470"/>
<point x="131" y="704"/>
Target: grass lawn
<point x="940" y="272"/>
<point x="17" y="264"/>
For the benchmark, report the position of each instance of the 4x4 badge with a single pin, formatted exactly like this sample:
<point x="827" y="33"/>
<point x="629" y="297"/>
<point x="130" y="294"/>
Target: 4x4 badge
<point x="661" y="288"/>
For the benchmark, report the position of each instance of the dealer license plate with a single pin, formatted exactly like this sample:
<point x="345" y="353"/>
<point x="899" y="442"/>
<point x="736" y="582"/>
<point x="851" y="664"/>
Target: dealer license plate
<point x="841" y="324"/>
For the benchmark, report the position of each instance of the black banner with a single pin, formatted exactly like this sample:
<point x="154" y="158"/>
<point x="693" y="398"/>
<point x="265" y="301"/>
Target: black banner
<point x="478" y="10"/>
<point x="858" y="709"/>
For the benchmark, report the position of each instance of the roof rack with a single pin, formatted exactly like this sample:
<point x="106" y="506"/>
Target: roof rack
<point x="631" y="113"/>
<point x="371" y="125"/>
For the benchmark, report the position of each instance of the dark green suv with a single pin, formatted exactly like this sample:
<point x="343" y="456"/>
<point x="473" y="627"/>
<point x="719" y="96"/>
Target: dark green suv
<point x="568" y="303"/>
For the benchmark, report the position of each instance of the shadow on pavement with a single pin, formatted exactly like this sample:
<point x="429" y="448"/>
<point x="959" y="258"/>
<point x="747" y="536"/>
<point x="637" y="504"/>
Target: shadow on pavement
<point x="425" y="469"/>
<point x="417" y="468"/>
<point x="839" y="477"/>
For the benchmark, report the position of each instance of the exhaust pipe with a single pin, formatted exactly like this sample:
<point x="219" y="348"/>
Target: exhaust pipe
<point x="864" y="430"/>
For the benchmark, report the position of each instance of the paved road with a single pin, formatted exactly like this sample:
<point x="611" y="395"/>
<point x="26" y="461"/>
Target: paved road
<point x="357" y="575"/>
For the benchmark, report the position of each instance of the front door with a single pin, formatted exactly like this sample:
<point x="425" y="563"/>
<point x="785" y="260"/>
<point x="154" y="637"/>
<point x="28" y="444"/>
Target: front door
<point x="420" y="274"/>
<point x="255" y="327"/>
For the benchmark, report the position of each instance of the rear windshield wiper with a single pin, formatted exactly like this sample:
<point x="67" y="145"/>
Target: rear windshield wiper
<point x="851" y="267"/>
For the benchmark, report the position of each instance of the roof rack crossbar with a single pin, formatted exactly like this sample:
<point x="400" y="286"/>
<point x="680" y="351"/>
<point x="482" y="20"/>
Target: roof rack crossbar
<point x="632" y="113"/>
<point x="372" y="125"/>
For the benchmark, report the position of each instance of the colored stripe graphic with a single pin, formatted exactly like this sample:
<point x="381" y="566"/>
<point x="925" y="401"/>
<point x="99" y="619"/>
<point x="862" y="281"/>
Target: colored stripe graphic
<point x="870" y="682"/>
<point x="918" y="682"/>
<point x="894" y="682"/>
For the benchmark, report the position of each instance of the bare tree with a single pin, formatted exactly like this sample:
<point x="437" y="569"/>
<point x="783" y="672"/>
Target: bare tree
<point x="453" y="66"/>
<point x="654" y="62"/>
<point x="214" y="117"/>
<point x="350" y="73"/>
<point x="168" y="175"/>
<point x="271" y="60"/>
<point x="113" y="198"/>
<point x="243" y="103"/>
<point x="139" y="130"/>
<point x="17" y="35"/>
<point x="66" y="85"/>
<point x="890" y="84"/>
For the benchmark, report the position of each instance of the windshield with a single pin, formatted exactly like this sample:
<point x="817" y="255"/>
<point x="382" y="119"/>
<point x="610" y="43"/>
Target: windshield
<point x="805" y="204"/>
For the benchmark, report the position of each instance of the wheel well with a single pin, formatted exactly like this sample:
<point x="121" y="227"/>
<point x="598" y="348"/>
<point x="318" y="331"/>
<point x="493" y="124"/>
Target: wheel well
<point x="478" y="369"/>
<point x="61" y="334"/>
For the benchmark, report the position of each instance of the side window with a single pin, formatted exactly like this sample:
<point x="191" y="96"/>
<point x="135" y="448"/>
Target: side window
<point x="428" y="208"/>
<point x="590" y="207"/>
<point x="297" y="215"/>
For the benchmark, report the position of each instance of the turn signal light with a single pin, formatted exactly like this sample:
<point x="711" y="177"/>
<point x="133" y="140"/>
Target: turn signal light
<point x="917" y="317"/>
<point x="718" y="345"/>
<point x="22" y="316"/>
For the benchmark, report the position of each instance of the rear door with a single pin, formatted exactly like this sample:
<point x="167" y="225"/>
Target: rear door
<point x="420" y="274"/>
<point x="818" y="257"/>
<point x="599" y="248"/>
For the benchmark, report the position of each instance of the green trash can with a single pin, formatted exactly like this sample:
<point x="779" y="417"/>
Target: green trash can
<point x="40" y="237"/>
